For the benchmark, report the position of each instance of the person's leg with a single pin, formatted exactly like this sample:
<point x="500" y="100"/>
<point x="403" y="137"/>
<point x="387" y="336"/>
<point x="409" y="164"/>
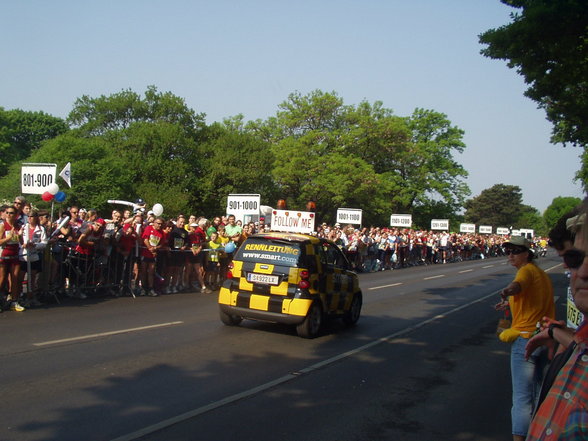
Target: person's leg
<point x="525" y="376"/>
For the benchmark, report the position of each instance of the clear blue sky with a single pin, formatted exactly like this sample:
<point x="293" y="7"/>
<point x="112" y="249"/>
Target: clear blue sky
<point x="230" y="57"/>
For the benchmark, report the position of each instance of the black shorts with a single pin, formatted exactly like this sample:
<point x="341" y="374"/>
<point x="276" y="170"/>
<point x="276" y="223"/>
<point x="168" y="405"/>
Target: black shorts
<point x="35" y="266"/>
<point x="177" y="258"/>
<point x="198" y="258"/>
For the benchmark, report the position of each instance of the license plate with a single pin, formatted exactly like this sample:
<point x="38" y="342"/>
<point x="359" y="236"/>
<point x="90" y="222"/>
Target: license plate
<point x="263" y="278"/>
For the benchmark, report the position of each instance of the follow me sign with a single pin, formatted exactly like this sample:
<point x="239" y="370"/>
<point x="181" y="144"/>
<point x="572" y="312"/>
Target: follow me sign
<point x="293" y="221"/>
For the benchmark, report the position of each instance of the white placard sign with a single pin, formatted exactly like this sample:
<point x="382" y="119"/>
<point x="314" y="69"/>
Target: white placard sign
<point x="440" y="224"/>
<point x="502" y="230"/>
<point x="485" y="229"/>
<point x="35" y="178"/>
<point x="527" y="232"/>
<point x="292" y="221"/>
<point x="467" y="228"/>
<point x="514" y="233"/>
<point x="243" y="205"/>
<point x="349" y="215"/>
<point x="401" y="220"/>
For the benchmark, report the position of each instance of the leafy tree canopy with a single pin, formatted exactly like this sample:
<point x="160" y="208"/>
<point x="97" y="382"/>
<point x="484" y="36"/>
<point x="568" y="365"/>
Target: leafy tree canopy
<point x="558" y="207"/>
<point x="402" y="161"/>
<point x="97" y="116"/>
<point x="499" y="206"/>
<point x="23" y="132"/>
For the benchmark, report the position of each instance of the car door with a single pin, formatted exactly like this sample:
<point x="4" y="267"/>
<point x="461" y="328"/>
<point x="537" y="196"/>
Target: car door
<point x="336" y="278"/>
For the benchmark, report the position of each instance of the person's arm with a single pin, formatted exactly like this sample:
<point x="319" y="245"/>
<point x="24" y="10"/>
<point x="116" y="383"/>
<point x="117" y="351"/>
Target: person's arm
<point x="512" y="289"/>
<point x="3" y="239"/>
<point x="552" y="332"/>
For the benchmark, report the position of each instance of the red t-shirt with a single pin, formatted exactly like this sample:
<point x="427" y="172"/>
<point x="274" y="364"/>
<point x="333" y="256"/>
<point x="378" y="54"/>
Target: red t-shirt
<point x="154" y="237"/>
<point x="127" y="239"/>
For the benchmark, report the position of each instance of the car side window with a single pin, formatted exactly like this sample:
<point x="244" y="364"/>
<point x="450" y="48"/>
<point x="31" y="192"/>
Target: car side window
<point x="332" y="255"/>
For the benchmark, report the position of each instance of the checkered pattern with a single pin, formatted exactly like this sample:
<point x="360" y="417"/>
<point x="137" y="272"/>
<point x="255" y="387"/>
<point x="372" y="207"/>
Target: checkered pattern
<point x="563" y="416"/>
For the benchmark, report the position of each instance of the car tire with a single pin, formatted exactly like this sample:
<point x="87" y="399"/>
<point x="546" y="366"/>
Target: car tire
<point x="312" y="323"/>
<point x="351" y="317"/>
<point x="229" y="320"/>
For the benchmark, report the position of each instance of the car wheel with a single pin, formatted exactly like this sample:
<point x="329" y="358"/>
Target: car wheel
<point x="352" y="316"/>
<point x="311" y="325"/>
<point x="229" y="320"/>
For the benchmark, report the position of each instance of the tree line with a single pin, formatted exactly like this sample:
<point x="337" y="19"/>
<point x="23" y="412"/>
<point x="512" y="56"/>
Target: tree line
<point x="315" y="148"/>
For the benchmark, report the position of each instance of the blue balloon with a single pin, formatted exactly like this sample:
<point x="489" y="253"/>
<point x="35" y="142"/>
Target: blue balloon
<point x="230" y="247"/>
<point x="60" y="196"/>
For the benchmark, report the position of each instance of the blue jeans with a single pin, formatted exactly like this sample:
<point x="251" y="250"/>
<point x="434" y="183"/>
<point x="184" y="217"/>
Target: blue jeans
<point x="527" y="376"/>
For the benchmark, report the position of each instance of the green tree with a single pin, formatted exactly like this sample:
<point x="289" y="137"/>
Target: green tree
<point x="22" y="132"/>
<point x="409" y="160"/>
<point x="547" y="43"/>
<point x="558" y="207"/>
<point x="235" y="161"/>
<point x="530" y="217"/>
<point x="126" y="146"/>
<point x="425" y="168"/>
<point x="116" y="112"/>
<point x="499" y="206"/>
<point x="98" y="171"/>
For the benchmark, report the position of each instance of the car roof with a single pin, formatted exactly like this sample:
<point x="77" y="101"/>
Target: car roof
<point x="292" y="237"/>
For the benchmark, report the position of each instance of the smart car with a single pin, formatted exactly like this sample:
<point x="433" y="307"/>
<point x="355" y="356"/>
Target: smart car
<point x="290" y="278"/>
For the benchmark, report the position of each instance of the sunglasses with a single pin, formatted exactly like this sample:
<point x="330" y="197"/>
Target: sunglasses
<point x="17" y="202"/>
<point x="10" y="212"/>
<point x="514" y="251"/>
<point x="574" y="258"/>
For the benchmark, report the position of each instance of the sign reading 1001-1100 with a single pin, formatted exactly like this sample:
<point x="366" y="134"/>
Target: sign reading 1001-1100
<point x="349" y="216"/>
<point x="35" y="178"/>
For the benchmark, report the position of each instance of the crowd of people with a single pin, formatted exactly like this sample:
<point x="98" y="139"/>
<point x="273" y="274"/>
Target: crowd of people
<point x="134" y="252"/>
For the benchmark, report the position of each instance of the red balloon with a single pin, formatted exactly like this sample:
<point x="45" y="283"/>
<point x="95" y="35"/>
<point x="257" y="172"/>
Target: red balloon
<point x="47" y="196"/>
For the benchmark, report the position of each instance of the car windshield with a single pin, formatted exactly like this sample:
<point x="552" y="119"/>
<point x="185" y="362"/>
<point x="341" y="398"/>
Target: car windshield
<point x="275" y="252"/>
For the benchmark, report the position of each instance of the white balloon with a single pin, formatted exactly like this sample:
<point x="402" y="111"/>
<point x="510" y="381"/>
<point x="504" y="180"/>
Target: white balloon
<point x="53" y="188"/>
<point x="157" y="209"/>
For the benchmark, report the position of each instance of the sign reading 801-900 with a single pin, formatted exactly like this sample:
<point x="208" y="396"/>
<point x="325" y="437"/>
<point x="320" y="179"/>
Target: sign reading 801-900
<point x="35" y="178"/>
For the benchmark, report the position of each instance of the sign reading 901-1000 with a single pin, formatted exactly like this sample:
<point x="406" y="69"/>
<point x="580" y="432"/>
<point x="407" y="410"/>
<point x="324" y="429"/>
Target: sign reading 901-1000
<point x="35" y="178"/>
<point x="243" y="204"/>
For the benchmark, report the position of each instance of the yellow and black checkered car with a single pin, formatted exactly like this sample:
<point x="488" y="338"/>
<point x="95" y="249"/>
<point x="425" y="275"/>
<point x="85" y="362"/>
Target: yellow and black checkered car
<point x="290" y="278"/>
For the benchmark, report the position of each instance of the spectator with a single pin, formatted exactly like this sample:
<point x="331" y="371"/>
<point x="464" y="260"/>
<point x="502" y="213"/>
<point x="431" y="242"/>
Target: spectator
<point x="213" y="265"/>
<point x="152" y="239"/>
<point x="563" y="414"/>
<point x="10" y="241"/>
<point x="179" y="244"/>
<point x="530" y="298"/>
<point x="19" y="206"/>
<point x="31" y="253"/>
<point x="198" y="258"/>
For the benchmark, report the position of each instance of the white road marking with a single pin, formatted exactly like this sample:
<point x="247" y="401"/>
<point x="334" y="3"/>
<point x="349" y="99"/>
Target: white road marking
<point x="385" y="286"/>
<point x="105" y="334"/>
<point x="434" y="277"/>
<point x="553" y="267"/>
<point x="466" y="271"/>
<point x="488" y="266"/>
<point x="289" y="377"/>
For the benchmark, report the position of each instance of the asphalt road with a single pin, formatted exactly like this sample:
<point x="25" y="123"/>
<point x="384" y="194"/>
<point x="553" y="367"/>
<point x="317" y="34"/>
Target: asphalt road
<point x="423" y="363"/>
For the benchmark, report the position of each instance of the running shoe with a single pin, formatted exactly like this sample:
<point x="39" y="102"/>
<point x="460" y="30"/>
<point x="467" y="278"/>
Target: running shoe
<point x="15" y="306"/>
